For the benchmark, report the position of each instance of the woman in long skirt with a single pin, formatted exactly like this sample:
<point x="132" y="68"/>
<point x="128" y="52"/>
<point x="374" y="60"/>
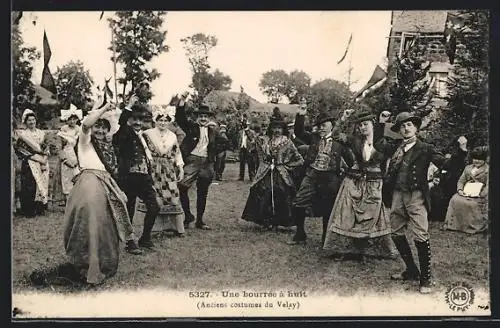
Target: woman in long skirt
<point x="469" y="213"/>
<point x="69" y="134"/>
<point x="272" y="192"/>
<point x="167" y="171"/>
<point x="359" y="223"/>
<point x="31" y="148"/>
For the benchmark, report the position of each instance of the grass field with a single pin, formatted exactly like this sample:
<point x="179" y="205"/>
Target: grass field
<point x="236" y="254"/>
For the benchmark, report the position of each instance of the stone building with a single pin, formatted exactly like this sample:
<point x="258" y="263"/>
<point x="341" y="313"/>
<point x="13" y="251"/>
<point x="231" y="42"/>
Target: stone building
<point x="429" y="26"/>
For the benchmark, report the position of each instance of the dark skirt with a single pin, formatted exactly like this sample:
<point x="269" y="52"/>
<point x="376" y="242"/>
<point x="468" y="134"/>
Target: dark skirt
<point x="29" y="207"/>
<point x="259" y="209"/>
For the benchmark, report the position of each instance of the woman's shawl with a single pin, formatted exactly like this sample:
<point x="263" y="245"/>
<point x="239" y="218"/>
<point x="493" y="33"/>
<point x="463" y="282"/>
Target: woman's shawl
<point x="286" y="159"/>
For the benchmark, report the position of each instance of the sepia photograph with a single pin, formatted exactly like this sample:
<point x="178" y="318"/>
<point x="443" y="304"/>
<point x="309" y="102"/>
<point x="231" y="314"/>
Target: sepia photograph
<point x="247" y="164"/>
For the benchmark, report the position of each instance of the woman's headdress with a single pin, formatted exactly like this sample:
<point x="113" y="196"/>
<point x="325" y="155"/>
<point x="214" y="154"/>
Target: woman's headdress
<point x="26" y="112"/>
<point x="112" y="116"/>
<point x="65" y="114"/>
<point x="168" y="111"/>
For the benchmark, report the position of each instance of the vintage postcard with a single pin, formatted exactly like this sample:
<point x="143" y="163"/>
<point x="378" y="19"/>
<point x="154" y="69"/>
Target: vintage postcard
<point x="250" y="164"/>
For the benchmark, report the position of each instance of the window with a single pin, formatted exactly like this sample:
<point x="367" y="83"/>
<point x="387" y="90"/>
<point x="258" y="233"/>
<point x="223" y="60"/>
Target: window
<point x="407" y="40"/>
<point x="439" y="84"/>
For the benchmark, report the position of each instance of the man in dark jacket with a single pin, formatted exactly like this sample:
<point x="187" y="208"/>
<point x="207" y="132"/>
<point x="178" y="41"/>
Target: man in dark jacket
<point x="406" y="192"/>
<point x="199" y="152"/>
<point x="134" y="167"/>
<point x="321" y="182"/>
<point x="222" y="146"/>
<point x="248" y="151"/>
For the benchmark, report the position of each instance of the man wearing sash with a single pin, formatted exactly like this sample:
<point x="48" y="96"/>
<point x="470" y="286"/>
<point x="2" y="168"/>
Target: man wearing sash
<point x="134" y="167"/>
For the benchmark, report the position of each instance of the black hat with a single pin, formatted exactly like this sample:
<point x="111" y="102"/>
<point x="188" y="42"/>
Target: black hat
<point x="480" y="153"/>
<point x="276" y="119"/>
<point x="204" y="109"/>
<point x="324" y="117"/>
<point x="138" y="110"/>
<point x="363" y="115"/>
<point x="405" y="117"/>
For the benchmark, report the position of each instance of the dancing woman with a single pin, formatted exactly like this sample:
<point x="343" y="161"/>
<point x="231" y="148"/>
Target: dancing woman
<point x="271" y="195"/>
<point x="31" y="148"/>
<point x="359" y="223"/>
<point x="167" y="170"/>
<point x="69" y="135"/>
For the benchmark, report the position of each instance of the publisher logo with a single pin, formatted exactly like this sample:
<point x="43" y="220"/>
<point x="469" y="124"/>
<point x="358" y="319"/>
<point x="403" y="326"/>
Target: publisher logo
<point x="460" y="296"/>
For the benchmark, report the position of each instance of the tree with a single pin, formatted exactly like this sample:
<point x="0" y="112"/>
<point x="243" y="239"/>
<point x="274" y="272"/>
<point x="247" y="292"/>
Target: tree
<point x="276" y="84"/>
<point x="22" y="62"/>
<point x="74" y="85"/>
<point x="138" y="39"/>
<point x="467" y="108"/>
<point x="298" y="86"/>
<point x="327" y="95"/>
<point x="243" y="102"/>
<point x="409" y="91"/>
<point x="203" y="81"/>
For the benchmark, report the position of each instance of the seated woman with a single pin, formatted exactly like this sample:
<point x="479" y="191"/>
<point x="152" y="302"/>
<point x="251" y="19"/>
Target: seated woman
<point x="468" y="211"/>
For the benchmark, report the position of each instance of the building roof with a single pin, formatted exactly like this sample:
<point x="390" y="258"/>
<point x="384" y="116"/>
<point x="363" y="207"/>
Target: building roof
<point x="45" y="95"/>
<point x="425" y="21"/>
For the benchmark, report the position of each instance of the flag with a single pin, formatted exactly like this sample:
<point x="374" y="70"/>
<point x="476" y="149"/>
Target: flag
<point x="47" y="79"/>
<point x="378" y="75"/>
<point x="453" y="24"/>
<point x="346" y="50"/>
<point x="107" y="89"/>
<point x="17" y="17"/>
<point x="102" y="14"/>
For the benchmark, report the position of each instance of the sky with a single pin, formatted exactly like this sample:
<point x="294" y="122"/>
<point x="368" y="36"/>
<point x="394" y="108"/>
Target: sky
<point x="249" y="44"/>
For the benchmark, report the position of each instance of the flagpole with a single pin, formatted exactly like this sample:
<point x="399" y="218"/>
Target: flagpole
<point x="114" y="62"/>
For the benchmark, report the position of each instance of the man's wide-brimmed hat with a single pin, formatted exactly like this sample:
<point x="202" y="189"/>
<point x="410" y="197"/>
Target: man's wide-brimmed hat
<point x="138" y="110"/>
<point x="362" y="116"/>
<point x="323" y="117"/>
<point x="276" y="119"/>
<point x="480" y="153"/>
<point x="204" y="109"/>
<point x="405" y="117"/>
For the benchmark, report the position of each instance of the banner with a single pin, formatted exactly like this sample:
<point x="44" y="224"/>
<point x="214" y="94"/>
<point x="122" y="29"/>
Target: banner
<point x="378" y="75"/>
<point x="346" y="50"/>
<point x="48" y="82"/>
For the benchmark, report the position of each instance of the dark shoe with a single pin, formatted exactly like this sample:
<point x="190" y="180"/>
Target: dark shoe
<point x="296" y="242"/>
<point x="179" y="235"/>
<point x="338" y="257"/>
<point x="406" y="276"/>
<point x="146" y="243"/>
<point x="403" y="247"/>
<point x="132" y="248"/>
<point x="203" y="226"/>
<point x="189" y="218"/>
<point x="424" y="257"/>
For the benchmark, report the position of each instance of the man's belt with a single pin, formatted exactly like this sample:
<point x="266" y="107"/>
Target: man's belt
<point x="366" y="175"/>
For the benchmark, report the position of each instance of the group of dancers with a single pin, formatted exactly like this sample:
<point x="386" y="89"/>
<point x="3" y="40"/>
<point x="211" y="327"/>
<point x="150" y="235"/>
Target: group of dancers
<point x="368" y="188"/>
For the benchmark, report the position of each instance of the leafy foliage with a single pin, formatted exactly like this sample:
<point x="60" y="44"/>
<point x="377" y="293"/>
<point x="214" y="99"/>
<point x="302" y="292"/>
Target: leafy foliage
<point x="74" y="85"/>
<point x="467" y="110"/>
<point x="22" y="62"/>
<point x="138" y="39"/>
<point x="243" y="102"/>
<point x="276" y="84"/>
<point x="409" y="92"/>
<point x="203" y="81"/>
<point x="327" y="95"/>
